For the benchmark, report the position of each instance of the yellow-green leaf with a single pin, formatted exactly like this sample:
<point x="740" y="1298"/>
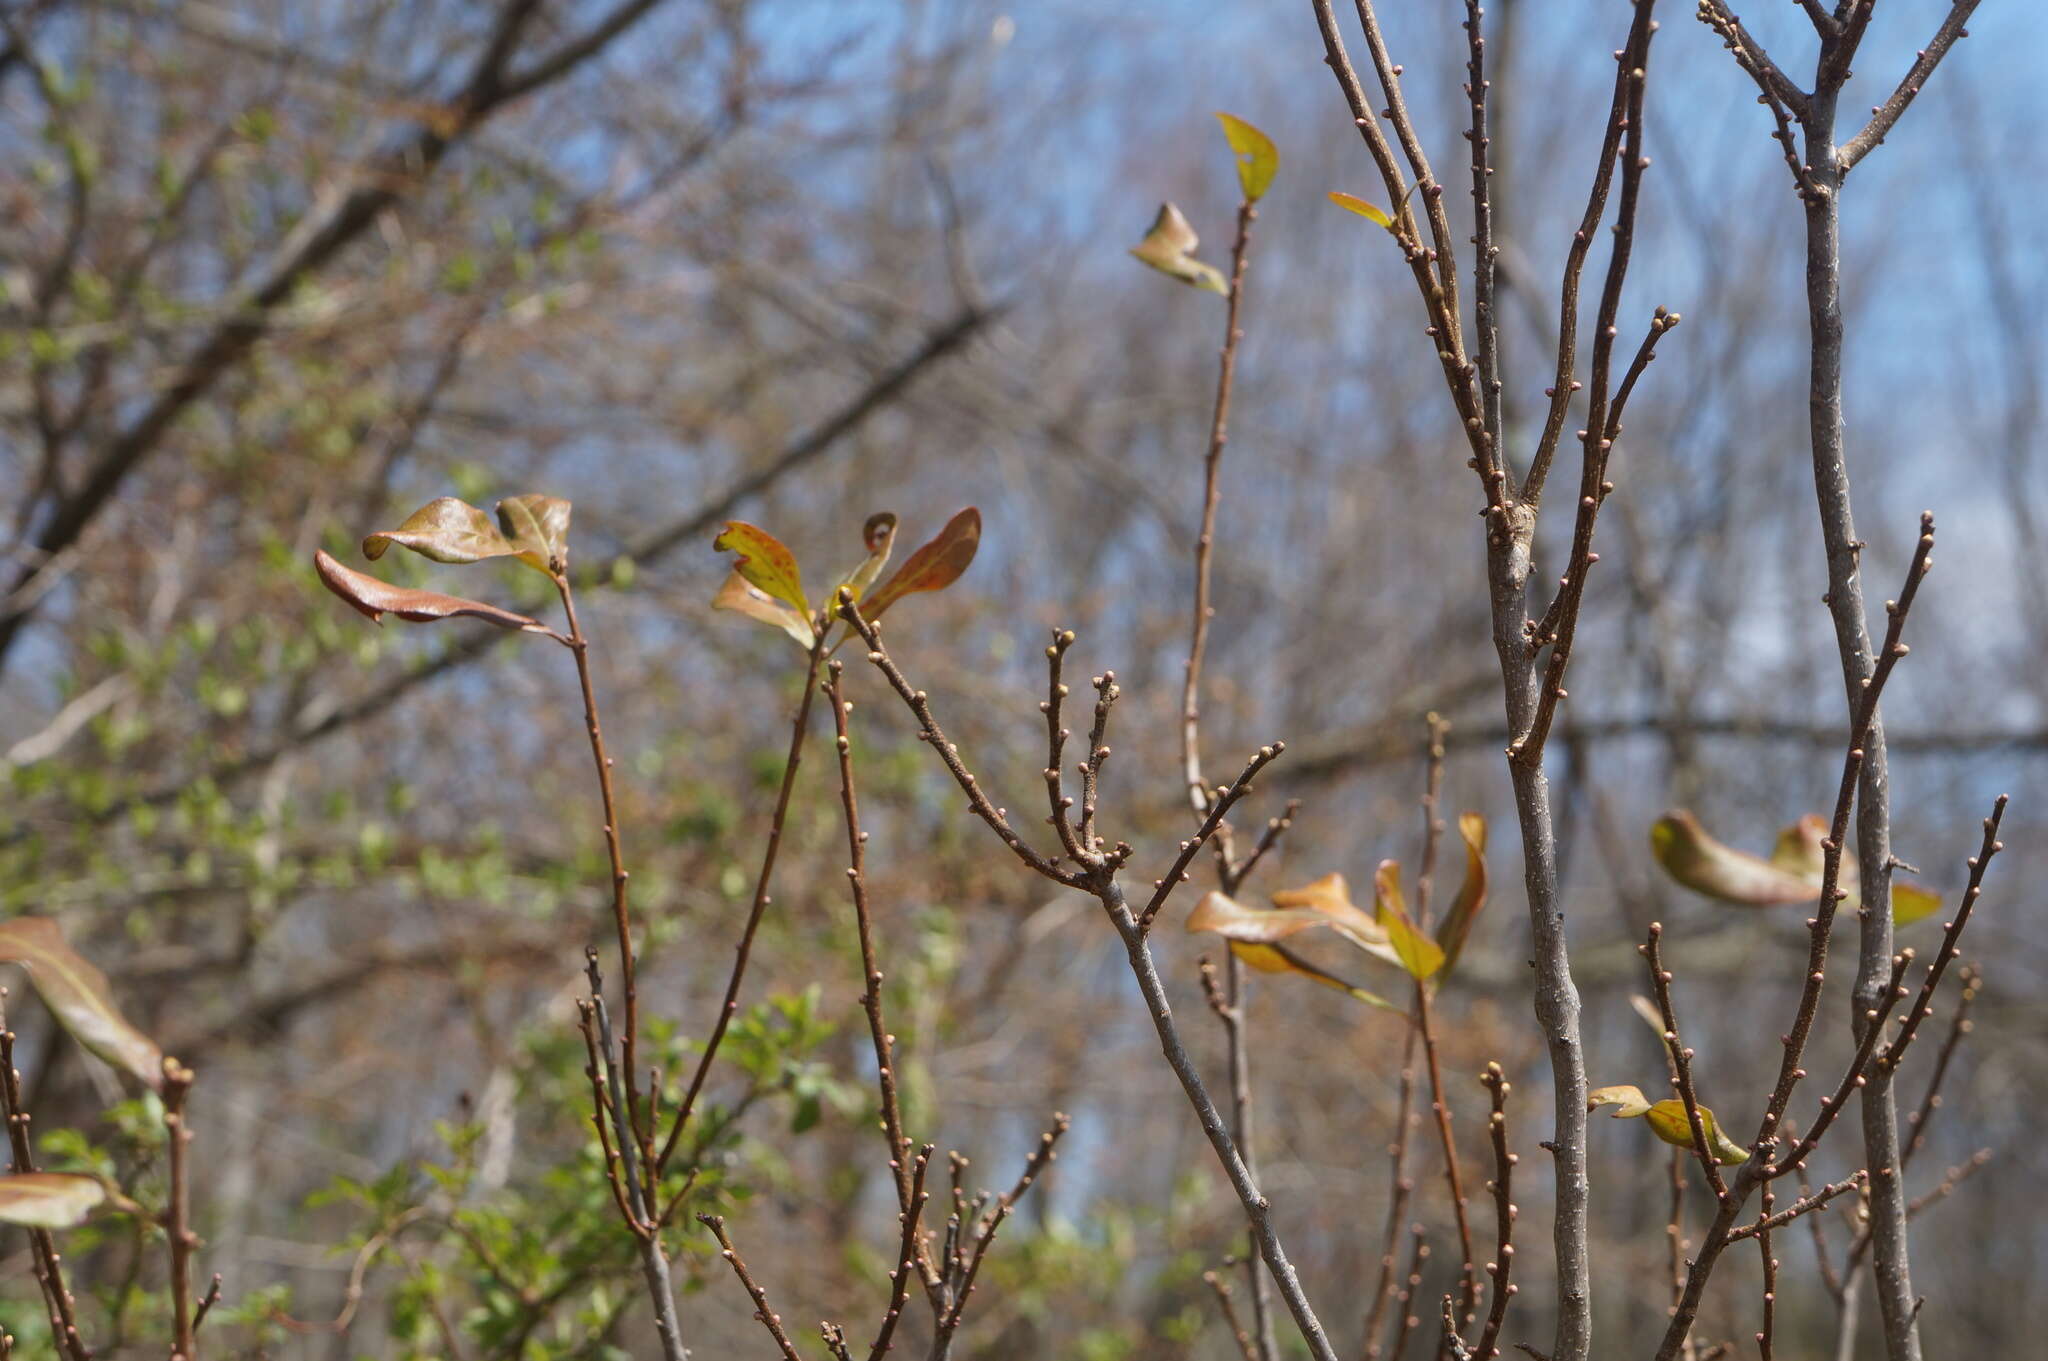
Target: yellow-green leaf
<point x="78" y="996"/>
<point x="446" y="529"/>
<point x="538" y="527"/>
<point x="1667" y="1120"/>
<point x="743" y="597"/>
<point x="1257" y="157"/>
<point x="1420" y="955"/>
<point x="1354" y="204"/>
<point x="1912" y="903"/>
<point x="49" y="1200"/>
<point x="375" y="599"/>
<point x="1456" y="926"/>
<point x="1169" y="247"/>
<point x="761" y="558"/>
<point x="1279" y="959"/>
<point x="934" y="566"/>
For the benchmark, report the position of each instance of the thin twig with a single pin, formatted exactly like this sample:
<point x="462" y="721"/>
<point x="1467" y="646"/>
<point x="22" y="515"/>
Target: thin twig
<point x="1503" y="1216"/>
<point x="769" y="1319"/>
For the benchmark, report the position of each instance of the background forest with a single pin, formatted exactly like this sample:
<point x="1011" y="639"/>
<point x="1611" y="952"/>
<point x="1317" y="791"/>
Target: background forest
<point x="795" y="263"/>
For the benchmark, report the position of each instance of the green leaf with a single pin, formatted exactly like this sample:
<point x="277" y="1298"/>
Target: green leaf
<point x="446" y="529"/>
<point x="1353" y="204"/>
<point x="78" y="997"/>
<point x="1464" y="910"/>
<point x="1257" y="158"/>
<point x="1169" y="247"/>
<point x="375" y="599"/>
<point x="1420" y="955"/>
<point x="49" y="1200"/>
<point x="761" y="558"/>
<point x="743" y="597"/>
<point x="878" y="535"/>
<point x="538" y="527"/>
<point x="934" y="566"/>
<point x="1668" y="1121"/>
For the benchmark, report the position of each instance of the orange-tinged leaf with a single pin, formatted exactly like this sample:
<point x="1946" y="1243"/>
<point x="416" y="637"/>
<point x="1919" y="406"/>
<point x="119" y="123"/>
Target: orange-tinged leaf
<point x="761" y="558"/>
<point x="376" y="599"/>
<point x="1331" y="896"/>
<point x="1704" y="865"/>
<point x="1169" y="247"/>
<point x="538" y="528"/>
<point x="49" y="1200"/>
<point x="878" y="535"/>
<point x="1371" y="211"/>
<point x="743" y="597"/>
<point x="1456" y="926"/>
<point x="78" y="997"/>
<point x="1225" y="916"/>
<point x="1799" y="854"/>
<point x="1280" y="959"/>
<point x="1420" y="955"/>
<point x="934" y="566"/>
<point x="445" y="529"/>
<point x="1257" y="157"/>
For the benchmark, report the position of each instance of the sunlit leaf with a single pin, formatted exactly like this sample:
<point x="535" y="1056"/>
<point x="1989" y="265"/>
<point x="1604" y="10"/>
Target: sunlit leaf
<point x="1667" y="1120"/>
<point x="78" y="997"/>
<point x="445" y="529"/>
<point x="878" y="535"/>
<point x="1704" y="865"/>
<point x="1225" y="916"/>
<point x="1628" y="1101"/>
<point x="538" y="527"/>
<point x="1169" y="247"/>
<point x="1420" y="955"/>
<point x="934" y="566"/>
<point x="1257" y="157"/>
<point x="1331" y="896"/>
<point x="1353" y="203"/>
<point x="743" y="597"/>
<point x="48" y="1200"/>
<point x="1912" y="903"/>
<point x="1280" y="959"/>
<point x="376" y="598"/>
<point x="1452" y="931"/>
<point x="1793" y="874"/>
<point x="761" y="558"/>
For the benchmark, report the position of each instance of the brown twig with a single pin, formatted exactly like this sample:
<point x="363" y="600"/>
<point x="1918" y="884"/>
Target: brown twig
<point x="1802" y="1206"/>
<point x="1503" y="1216"/>
<point x="1959" y="1026"/>
<point x="1953" y="931"/>
<point x="1681" y="1061"/>
<point x="769" y="1319"/>
<point x="906" y="1255"/>
<point x="1418" y="1253"/>
<point x="759" y="906"/>
<point x="1223" y="1302"/>
<point x="49" y="1268"/>
<point x="1399" y="1188"/>
<point x="177" y="1086"/>
<point x="870" y="967"/>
